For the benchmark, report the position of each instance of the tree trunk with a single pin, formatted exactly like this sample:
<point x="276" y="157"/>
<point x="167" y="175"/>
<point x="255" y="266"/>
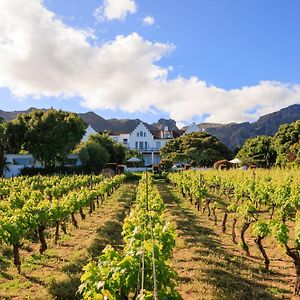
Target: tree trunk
<point x="82" y="215"/>
<point x="233" y="230"/>
<point x="74" y="222"/>
<point x="17" y="261"/>
<point x="207" y="203"/>
<point x="272" y="211"/>
<point x="294" y="254"/>
<point x="224" y="222"/>
<point x="91" y="207"/>
<point x="56" y="232"/>
<point x="215" y="215"/>
<point x="64" y="227"/>
<point x="43" y="246"/>
<point x="258" y="242"/>
<point x="243" y="231"/>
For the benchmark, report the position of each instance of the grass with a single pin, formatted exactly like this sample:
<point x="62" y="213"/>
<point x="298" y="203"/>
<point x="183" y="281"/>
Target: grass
<point x="210" y="266"/>
<point x="56" y="274"/>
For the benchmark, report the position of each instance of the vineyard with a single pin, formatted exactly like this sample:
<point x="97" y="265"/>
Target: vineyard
<point x="90" y="237"/>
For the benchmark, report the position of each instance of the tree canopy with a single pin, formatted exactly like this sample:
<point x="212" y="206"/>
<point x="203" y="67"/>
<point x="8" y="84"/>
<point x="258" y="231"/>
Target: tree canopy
<point x="287" y="144"/>
<point x="259" y="151"/>
<point x="197" y="148"/>
<point x="116" y="150"/>
<point x="92" y="155"/>
<point x="49" y="135"/>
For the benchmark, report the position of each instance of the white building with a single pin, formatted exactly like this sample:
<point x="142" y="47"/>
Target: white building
<point x="146" y="140"/>
<point x="16" y="162"/>
<point x="89" y="131"/>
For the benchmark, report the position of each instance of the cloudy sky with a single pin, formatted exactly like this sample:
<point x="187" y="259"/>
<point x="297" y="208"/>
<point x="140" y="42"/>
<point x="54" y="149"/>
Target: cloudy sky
<point x="190" y="60"/>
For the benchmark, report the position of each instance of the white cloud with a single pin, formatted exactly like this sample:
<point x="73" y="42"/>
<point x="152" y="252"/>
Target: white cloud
<point x="42" y="56"/>
<point x="115" y="10"/>
<point x="149" y="21"/>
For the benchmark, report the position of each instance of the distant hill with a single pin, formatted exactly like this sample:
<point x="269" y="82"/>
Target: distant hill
<point x="233" y="135"/>
<point x="100" y="124"/>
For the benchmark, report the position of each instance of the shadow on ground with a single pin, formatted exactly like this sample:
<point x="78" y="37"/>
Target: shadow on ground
<point x="109" y="233"/>
<point x="219" y="269"/>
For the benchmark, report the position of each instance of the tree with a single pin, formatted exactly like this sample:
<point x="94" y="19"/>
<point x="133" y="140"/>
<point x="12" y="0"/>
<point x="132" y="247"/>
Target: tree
<point x="51" y="135"/>
<point x="197" y="148"/>
<point x="116" y="150"/>
<point x="286" y="143"/>
<point x="259" y="151"/>
<point x="92" y="155"/>
<point x="15" y="134"/>
<point x="2" y="145"/>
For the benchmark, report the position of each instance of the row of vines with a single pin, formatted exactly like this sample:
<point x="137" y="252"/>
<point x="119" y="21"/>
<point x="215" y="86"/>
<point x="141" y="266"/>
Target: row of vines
<point x="266" y="202"/>
<point x="141" y="270"/>
<point x="30" y="205"/>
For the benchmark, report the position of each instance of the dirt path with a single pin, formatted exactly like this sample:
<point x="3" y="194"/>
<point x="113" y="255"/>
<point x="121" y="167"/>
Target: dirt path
<point x="207" y="267"/>
<point x="56" y="273"/>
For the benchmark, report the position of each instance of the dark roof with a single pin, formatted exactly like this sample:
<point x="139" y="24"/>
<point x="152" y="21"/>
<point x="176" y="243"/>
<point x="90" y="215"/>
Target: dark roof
<point x="154" y="131"/>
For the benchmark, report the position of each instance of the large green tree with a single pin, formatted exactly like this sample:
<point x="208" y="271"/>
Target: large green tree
<point x="92" y="155"/>
<point x="286" y="143"/>
<point x="259" y="151"/>
<point x="51" y="135"/>
<point x="198" y="148"/>
<point x="116" y="150"/>
<point x="3" y="145"/>
<point x="15" y="134"/>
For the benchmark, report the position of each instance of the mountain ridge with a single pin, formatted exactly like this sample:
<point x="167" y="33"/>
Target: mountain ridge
<point x="232" y="134"/>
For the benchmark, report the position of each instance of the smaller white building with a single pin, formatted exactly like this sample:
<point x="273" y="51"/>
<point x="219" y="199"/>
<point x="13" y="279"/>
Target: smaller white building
<point x="16" y="162"/>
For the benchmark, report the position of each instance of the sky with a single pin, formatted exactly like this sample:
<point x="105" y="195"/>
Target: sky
<point x="191" y="60"/>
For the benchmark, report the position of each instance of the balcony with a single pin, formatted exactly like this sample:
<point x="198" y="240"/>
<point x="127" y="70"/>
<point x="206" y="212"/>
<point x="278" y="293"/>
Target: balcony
<point x="148" y="149"/>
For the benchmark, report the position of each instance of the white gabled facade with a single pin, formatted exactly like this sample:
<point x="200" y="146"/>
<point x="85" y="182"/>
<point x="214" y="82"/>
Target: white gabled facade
<point x="89" y="131"/>
<point x="143" y="140"/>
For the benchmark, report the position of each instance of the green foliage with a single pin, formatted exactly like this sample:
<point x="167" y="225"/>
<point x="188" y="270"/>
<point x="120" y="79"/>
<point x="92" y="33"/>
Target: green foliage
<point x="261" y="228"/>
<point x="92" y="155"/>
<point x="115" y="150"/>
<point x="146" y="234"/>
<point x="31" y="202"/>
<point x="50" y="135"/>
<point x="258" y="151"/>
<point x="198" y="148"/>
<point x="286" y="143"/>
<point x="166" y="164"/>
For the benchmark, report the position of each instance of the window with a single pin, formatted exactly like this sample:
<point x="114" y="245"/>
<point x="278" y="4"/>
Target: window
<point x="146" y="145"/>
<point x="141" y="133"/>
<point x="141" y="145"/>
<point x="125" y="141"/>
<point x="158" y="145"/>
<point x="136" y="145"/>
<point x="137" y="134"/>
<point x="144" y="134"/>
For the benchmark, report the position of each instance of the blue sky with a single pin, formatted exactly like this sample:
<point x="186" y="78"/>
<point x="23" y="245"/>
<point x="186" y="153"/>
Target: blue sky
<point x="241" y="53"/>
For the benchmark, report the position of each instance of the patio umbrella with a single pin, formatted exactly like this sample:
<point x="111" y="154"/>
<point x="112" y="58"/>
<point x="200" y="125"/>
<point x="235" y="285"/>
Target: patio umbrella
<point x="133" y="159"/>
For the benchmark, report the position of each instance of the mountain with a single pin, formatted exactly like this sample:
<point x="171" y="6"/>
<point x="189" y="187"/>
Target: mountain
<point x="100" y="124"/>
<point x="9" y="116"/>
<point x="233" y="135"/>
